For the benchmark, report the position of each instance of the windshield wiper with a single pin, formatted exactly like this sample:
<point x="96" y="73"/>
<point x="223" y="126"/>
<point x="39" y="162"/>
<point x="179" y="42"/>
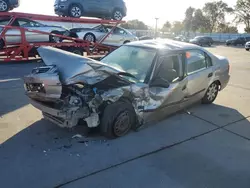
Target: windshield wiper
<point x="127" y="74"/>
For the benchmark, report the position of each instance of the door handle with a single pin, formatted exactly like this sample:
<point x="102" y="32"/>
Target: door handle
<point x="210" y="75"/>
<point x="184" y="87"/>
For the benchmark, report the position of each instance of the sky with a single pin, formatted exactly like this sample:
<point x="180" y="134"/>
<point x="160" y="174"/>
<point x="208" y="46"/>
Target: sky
<point x="143" y="10"/>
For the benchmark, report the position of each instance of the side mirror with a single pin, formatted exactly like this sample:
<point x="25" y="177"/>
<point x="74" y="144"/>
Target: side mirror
<point x="159" y="82"/>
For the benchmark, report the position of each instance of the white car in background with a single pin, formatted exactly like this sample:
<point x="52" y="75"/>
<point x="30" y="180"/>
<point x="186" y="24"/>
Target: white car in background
<point x="118" y="37"/>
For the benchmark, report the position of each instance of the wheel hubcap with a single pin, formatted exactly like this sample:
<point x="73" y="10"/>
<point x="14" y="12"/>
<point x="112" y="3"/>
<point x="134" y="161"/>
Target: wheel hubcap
<point x="122" y="124"/>
<point x="118" y="15"/>
<point x="3" y="6"/>
<point x="56" y="39"/>
<point x="76" y="11"/>
<point x="212" y="92"/>
<point x="89" y="38"/>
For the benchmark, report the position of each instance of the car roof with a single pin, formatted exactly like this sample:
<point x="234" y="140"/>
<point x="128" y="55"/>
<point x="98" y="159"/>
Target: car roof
<point x="164" y="44"/>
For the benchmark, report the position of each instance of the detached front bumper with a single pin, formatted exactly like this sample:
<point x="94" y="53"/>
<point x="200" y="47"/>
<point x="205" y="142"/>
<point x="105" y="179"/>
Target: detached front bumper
<point x="63" y="118"/>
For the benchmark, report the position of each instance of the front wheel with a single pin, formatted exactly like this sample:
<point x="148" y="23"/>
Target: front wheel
<point x="211" y="93"/>
<point x="4" y="6"/>
<point x="53" y="38"/>
<point x="117" y="120"/>
<point x="1" y="44"/>
<point x="89" y="37"/>
<point x="117" y="15"/>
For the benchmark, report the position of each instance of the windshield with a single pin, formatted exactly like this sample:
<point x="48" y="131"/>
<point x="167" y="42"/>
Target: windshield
<point x="133" y="60"/>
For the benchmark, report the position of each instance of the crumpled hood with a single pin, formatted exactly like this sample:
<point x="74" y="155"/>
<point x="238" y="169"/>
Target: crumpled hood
<point x="71" y="65"/>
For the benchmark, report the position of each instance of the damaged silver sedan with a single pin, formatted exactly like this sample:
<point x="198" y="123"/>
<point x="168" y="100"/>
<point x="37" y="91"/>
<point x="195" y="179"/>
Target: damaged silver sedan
<point x="138" y="83"/>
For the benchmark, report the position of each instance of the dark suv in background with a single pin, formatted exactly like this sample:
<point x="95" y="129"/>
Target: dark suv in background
<point x="6" y="5"/>
<point x="236" y="41"/>
<point x="114" y="9"/>
<point x="202" y="41"/>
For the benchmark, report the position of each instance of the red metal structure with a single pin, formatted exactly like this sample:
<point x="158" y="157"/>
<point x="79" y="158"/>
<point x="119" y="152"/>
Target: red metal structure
<point x="26" y="50"/>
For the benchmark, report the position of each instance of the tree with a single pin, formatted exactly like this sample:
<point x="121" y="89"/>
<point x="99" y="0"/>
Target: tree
<point x="166" y="26"/>
<point x="200" y="22"/>
<point x="226" y="28"/>
<point x="177" y="27"/>
<point x="189" y="16"/>
<point x="134" y="24"/>
<point x="242" y="12"/>
<point x="215" y="13"/>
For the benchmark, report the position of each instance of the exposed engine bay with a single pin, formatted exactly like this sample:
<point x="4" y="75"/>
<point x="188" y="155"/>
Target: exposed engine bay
<point x="66" y="105"/>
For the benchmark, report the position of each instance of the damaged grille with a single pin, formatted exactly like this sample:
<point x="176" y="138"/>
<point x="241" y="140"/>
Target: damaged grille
<point x="35" y="87"/>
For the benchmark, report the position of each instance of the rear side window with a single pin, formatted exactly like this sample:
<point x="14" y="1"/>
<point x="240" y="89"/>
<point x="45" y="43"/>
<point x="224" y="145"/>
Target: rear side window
<point x="197" y="60"/>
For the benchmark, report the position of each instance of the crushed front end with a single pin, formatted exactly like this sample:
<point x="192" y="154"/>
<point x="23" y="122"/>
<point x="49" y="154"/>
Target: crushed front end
<point x="69" y="90"/>
<point x="63" y="105"/>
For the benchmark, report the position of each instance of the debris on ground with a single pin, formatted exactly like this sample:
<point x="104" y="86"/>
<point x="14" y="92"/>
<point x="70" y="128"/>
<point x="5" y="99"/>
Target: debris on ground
<point x="77" y="136"/>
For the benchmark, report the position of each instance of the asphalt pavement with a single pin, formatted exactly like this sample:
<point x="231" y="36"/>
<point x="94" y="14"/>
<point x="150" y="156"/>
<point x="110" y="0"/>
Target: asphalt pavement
<point x="206" y="146"/>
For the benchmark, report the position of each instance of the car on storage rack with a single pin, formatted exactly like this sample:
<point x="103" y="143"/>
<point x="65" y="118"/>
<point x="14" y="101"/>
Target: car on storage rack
<point x="115" y="9"/>
<point x="6" y="5"/>
<point x="202" y="41"/>
<point x="137" y="83"/>
<point x="237" y="41"/>
<point x="117" y="37"/>
<point x="13" y="36"/>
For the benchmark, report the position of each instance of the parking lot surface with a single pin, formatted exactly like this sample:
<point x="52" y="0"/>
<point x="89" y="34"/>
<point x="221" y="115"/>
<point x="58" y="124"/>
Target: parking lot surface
<point x="206" y="146"/>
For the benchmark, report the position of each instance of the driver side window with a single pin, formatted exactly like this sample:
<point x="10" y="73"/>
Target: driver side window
<point x="170" y="68"/>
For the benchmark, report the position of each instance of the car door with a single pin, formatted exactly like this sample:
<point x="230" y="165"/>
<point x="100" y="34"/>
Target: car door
<point x="117" y="37"/>
<point x="93" y="7"/>
<point x="11" y="35"/>
<point x="32" y="25"/>
<point x="166" y="100"/>
<point x="104" y="6"/>
<point x="199" y="72"/>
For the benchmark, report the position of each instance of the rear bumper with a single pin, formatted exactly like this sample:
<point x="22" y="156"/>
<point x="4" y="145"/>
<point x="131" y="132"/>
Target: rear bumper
<point x="224" y="81"/>
<point x="61" y="9"/>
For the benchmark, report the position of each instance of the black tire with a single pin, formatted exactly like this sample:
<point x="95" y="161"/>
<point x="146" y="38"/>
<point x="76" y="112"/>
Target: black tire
<point x="55" y="39"/>
<point x="89" y="36"/>
<point x="77" y="51"/>
<point x="4" y="6"/>
<point x="247" y="49"/>
<point x="117" y="15"/>
<point x="211" y="93"/>
<point x="127" y="41"/>
<point x="2" y="44"/>
<point x="75" y="11"/>
<point x="110" y="121"/>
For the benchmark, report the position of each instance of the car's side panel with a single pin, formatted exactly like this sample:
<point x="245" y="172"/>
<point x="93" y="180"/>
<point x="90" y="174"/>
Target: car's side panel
<point x="13" y="36"/>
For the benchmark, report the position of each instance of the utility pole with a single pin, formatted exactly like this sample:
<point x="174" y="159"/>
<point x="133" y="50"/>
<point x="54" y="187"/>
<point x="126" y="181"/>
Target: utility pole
<point x="156" y="21"/>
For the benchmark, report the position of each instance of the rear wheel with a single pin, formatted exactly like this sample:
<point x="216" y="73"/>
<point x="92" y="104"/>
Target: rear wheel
<point x="211" y="93"/>
<point x="117" y="14"/>
<point x="75" y="11"/>
<point x="4" y="6"/>
<point x="247" y="49"/>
